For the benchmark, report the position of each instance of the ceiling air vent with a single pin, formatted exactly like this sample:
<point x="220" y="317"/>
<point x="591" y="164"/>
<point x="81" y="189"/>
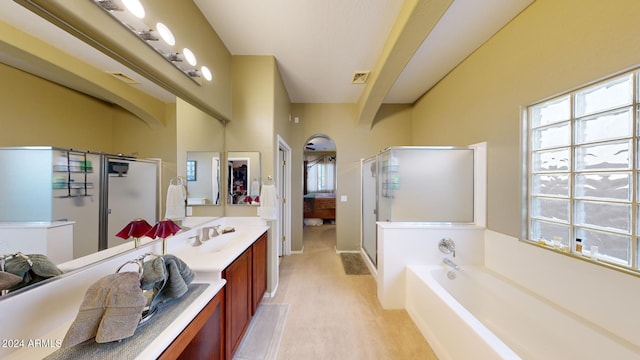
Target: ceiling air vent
<point x="360" y="77"/>
<point x="124" y="77"/>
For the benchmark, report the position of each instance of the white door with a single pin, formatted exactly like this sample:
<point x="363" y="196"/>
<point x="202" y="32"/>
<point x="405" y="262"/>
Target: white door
<point x="283" y="183"/>
<point x="369" y="216"/>
<point x="283" y="198"/>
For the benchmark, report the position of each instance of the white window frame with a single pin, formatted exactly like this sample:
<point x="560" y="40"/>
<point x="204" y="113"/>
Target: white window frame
<point x="561" y="242"/>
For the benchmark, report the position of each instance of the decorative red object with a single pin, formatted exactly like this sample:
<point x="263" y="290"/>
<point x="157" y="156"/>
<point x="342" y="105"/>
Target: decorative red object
<point x="162" y="229"/>
<point x="136" y="229"/>
<point x="247" y="199"/>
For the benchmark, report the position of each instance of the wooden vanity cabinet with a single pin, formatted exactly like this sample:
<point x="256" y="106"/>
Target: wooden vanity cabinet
<point x="259" y="271"/>
<point x="204" y="337"/>
<point x="246" y="284"/>
<point x="238" y="300"/>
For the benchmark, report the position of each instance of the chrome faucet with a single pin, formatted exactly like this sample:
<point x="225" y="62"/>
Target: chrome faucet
<point x="206" y="232"/>
<point x="447" y="246"/>
<point x="197" y="241"/>
<point x="451" y="263"/>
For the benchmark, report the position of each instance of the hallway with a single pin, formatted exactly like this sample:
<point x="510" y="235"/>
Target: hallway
<point x="337" y="316"/>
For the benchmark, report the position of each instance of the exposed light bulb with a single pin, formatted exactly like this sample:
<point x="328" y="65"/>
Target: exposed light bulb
<point x="166" y="34"/>
<point x="134" y="7"/>
<point x="206" y="73"/>
<point x="189" y="56"/>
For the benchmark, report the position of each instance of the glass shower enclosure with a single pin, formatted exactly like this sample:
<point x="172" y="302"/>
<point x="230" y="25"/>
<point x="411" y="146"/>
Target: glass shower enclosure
<point x="416" y="184"/>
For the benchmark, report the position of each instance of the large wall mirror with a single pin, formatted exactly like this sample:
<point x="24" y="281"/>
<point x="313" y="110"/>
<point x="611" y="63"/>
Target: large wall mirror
<point x="243" y="178"/>
<point x="203" y="178"/>
<point x="16" y="65"/>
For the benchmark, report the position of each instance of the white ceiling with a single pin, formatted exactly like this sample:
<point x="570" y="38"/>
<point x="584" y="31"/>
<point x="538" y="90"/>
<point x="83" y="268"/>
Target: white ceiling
<point x="318" y="44"/>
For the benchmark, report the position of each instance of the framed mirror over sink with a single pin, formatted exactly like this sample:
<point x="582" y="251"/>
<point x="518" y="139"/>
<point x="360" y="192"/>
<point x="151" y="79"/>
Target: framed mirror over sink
<point x="203" y="178"/>
<point x="243" y="178"/>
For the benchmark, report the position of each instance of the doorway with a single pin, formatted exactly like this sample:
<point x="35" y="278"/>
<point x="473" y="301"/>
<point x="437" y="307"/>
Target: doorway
<point x="319" y="181"/>
<point x="283" y="183"/>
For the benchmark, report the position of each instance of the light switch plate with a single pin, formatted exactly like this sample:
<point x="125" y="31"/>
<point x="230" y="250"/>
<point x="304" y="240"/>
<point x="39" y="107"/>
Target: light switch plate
<point x="343" y="198"/>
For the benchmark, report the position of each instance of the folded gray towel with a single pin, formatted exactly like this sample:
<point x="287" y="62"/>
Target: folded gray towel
<point x="123" y="311"/>
<point x="43" y="266"/>
<point x="85" y="326"/>
<point x="8" y="280"/>
<point x="179" y="275"/>
<point x="31" y="268"/>
<point x="154" y="272"/>
<point x="110" y="311"/>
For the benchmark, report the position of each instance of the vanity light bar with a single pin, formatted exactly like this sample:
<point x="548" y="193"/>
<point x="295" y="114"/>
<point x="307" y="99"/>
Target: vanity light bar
<point x="109" y="5"/>
<point x="148" y="35"/>
<point x="151" y="37"/>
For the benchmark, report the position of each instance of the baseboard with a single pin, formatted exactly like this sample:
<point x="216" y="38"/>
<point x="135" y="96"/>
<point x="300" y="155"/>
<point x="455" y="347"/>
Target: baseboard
<point x="346" y="251"/>
<point x="270" y="294"/>
<point x="372" y="269"/>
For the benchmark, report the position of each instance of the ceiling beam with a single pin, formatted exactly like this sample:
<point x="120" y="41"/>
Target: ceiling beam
<point x="416" y="20"/>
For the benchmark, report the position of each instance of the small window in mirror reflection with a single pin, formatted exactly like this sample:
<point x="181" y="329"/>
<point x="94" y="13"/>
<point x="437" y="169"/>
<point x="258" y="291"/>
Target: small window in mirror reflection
<point x="191" y="170"/>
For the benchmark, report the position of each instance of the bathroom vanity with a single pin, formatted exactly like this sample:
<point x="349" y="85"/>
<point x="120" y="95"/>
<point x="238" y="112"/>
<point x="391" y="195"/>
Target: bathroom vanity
<point x="231" y="278"/>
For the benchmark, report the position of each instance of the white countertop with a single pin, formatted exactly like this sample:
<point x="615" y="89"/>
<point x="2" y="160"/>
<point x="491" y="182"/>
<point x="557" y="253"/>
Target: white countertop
<point x="33" y="224"/>
<point x="26" y="313"/>
<point x="32" y="348"/>
<point x="214" y="255"/>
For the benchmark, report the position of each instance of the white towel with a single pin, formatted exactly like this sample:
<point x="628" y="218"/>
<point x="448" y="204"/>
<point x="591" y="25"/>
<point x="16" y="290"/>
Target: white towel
<point x="255" y="188"/>
<point x="268" y="209"/>
<point x="215" y="165"/>
<point x="176" y="194"/>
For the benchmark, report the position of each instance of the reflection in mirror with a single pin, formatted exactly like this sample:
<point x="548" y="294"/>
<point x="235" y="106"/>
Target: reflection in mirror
<point x="243" y="177"/>
<point x="203" y="178"/>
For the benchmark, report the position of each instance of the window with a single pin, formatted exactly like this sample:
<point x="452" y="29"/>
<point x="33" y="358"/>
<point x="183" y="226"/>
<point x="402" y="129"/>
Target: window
<point x="321" y="173"/>
<point x="583" y="185"/>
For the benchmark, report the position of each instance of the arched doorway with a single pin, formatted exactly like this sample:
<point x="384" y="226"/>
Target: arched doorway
<point x="319" y="182"/>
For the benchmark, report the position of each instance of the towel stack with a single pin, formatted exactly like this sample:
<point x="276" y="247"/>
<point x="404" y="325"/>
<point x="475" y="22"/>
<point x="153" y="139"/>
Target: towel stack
<point x="113" y="306"/>
<point x="168" y="276"/>
<point x="110" y="311"/>
<point x="20" y="270"/>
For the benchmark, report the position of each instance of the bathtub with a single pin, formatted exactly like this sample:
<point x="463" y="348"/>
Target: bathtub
<point x="480" y="315"/>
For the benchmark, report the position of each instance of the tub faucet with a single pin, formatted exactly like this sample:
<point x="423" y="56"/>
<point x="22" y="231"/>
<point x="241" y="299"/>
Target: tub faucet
<point x="447" y="246"/>
<point x="451" y="263"/>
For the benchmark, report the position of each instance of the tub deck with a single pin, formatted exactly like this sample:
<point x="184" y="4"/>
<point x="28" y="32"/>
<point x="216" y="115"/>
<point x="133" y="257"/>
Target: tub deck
<point x="480" y="315"/>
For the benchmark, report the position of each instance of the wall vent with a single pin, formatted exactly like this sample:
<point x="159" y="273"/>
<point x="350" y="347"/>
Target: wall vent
<point x="123" y="77"/>
<point x="360" y="77"/>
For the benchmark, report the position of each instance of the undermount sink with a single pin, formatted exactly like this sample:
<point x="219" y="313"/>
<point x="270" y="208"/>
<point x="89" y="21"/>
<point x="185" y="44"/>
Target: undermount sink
<point x="214" y="244"/>
<point x="208" y="257"/>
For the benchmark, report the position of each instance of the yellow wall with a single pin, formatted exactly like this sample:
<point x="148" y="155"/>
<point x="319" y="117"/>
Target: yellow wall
<point x="551" y="47"/>
<point x="260" y="113"/>
<point x="38" y="112"/>
<point x="132" y="136"/>
<point x="197" y="131"/>
<point x="353" y="143"/>
<point x="252" y="126"/>
<point x="187" y="24"/>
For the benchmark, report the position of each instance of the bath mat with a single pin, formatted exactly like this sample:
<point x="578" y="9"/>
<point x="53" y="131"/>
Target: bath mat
<point x="353" y="264"/>
<point x="262" y="340"/>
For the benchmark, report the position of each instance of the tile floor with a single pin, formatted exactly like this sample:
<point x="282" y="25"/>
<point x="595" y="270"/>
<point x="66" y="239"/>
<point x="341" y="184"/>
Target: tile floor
<point x="337" y="316"/>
